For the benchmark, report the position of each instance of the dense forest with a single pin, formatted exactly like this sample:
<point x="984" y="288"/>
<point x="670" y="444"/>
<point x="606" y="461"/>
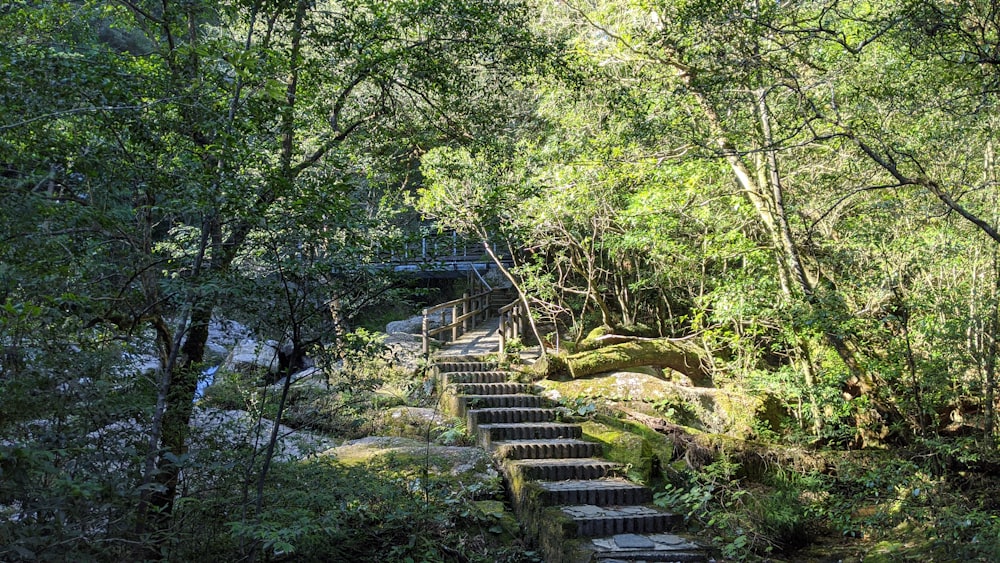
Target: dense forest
<point x="803" y="194"/>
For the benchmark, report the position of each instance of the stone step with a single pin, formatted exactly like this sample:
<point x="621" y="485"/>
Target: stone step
<point x="447" y="367"/>
<point x="624" y="548"/>
<point x="464" y="403"/>
<point x="505" y="388"/>
<point x="475" y="377"/>
<point x="563" y="469"/>
<point x="593" y="521"/>
<point x="602" y="492"/>
<point x="546" y="449"/>
<point x="490" y="433"/>
<point x="508" y="416"/>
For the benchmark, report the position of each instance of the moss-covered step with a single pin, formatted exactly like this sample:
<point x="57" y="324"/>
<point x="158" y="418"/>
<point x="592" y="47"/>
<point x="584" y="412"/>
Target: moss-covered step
<point x="474" y="377"/>
<point x="502" y="388"/>
<point x="546" y="449"/>
<point x="562" y="469"/>
<point x="475" y="417"/>
<point x="593" y="521"/>
<point x="459" y="405"/>
<point x="599" y="492"/>
<point x="489" y="433"/>
<point x="661" y="547"/>
<point x="458" y="365"/>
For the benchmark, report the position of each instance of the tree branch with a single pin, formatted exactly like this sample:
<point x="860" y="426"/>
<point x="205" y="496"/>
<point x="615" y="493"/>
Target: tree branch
<point x="61" y="113"/>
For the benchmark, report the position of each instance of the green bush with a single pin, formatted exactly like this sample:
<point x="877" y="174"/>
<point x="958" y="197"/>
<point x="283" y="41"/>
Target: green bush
<point x="324" y="511"/>
<point x="744" y="520"/>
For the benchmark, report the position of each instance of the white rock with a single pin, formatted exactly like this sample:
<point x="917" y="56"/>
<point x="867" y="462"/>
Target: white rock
<point x="406" y="349"/>
<point x="141" y="364"/>
<point x="249" y="355"/>
<point x="235" y="427"/>
<point x="414" y="325"/>
<point x="224" y="335"/>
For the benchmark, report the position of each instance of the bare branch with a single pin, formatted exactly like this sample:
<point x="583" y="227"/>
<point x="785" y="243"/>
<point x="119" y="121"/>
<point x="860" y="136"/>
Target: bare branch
<point x="90" y="109"/>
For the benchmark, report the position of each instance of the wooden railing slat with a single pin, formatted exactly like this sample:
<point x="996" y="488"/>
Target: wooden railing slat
<point x="474" y="309"/>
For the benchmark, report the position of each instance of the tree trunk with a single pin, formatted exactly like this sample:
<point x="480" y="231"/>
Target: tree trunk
<point x="872" y="426"/>
<point x="681" y="356"/>
<point x="177" y="416"/>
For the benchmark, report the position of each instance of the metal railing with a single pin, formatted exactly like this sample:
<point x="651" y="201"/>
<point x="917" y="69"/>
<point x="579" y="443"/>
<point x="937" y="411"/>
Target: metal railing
<point x="439" y="247"/>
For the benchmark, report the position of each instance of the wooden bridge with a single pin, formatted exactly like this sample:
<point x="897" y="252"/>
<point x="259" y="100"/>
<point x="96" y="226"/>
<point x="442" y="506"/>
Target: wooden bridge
<point x="475" y="324"/>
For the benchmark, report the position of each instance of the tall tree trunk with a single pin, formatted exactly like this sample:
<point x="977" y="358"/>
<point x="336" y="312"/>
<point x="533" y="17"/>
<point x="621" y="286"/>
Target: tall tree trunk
<point x="873" y="426"/>
<point x="993" y="324"/>
<point x="777" y="203"/>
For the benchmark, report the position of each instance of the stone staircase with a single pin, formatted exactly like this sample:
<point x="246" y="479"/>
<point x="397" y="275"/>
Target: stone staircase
<point x="575" y="506"/>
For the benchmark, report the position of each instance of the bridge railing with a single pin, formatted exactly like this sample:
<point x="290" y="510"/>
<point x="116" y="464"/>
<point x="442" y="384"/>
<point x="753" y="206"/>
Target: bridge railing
<point x="513" y="324"/>
<point x="439" y="247"/>
<point x="457" y="317"/>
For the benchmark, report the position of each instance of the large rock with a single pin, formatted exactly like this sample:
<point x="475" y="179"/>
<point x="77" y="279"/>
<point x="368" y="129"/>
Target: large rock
<point x="250" y="356"/>
<point x="706" y="409"/>
<point x="142" y="364"/>
<point x="224" y="335"/>
<point x="215" y="435"/>
<point x="414" y="325"/>
<point x="470" y="467"/>
<point x="406" y="350"/>
<point x="234" y="427"/>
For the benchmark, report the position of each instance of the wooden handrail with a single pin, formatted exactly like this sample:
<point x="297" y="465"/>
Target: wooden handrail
<point x="470" y="310"/>
<point x="466" y="313"/>
<point x="512" y="321"/>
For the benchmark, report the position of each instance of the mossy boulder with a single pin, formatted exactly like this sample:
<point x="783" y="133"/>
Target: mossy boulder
<point x="641" y="455"/>
<point x="640" y="384"/>
<point x="411" y="422"/>
<point x="468" y="467"/>
<point x="709" y="410"/>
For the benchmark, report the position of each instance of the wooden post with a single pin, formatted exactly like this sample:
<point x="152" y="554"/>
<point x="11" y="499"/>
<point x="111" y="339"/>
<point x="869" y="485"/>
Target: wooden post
<point x="522" y="318"/>
<point x="502" y="333"/>
<point x="465" y="311"/>
<point x="424" y="325"/>
<point x="454" y="325"/>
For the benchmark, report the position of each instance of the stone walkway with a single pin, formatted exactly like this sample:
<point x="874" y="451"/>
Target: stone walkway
<point x="573" y="505"/>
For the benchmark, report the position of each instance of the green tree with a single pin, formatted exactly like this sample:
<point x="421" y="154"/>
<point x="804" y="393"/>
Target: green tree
<point x="151" y="143"/>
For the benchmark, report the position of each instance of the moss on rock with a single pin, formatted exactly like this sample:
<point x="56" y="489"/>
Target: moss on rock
<point x="411" y="422"/>
<point x="643" y="451"/>
<point x="622" y="447"/>
<point x="467" y="467"/>
<point x="709" y="410"/>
